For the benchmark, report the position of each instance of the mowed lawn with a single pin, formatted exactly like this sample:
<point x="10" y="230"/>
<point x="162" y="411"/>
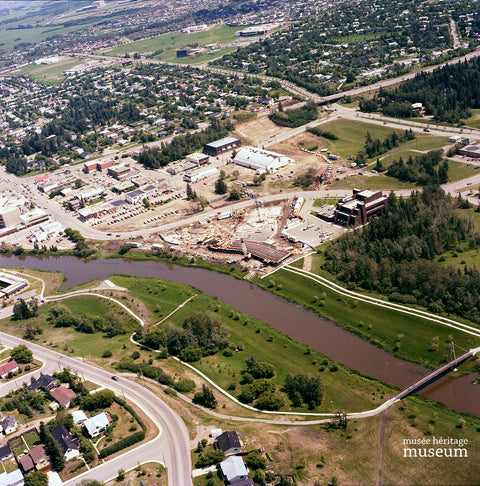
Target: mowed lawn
<point x="171" y="42"/>
<point x="352" y="135"/>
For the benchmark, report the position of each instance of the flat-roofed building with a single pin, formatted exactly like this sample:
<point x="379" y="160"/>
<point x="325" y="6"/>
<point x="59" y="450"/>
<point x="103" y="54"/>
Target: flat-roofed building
<point x="197" y="158"/>
<point x="35" y="216"/>
<point x="120" y="171"/>
<point x="197" y="175"/>
<point x="9" y="216"/>
<point x="470" y="151"/>
<point x="221" y="146"/>
<point x="105" y="164"/>
<point x="89" y="166"/>
<point x="261" y="160"/>
<point x="135" y="196"/>
<point x="359" y="208"/>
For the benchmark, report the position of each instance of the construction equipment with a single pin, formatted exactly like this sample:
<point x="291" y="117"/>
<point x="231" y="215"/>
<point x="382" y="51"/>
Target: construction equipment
<point x="254" y="196"/>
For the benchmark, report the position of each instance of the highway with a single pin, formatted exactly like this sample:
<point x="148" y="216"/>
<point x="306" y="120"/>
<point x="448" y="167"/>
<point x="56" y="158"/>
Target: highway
<point x="170" y="446"/>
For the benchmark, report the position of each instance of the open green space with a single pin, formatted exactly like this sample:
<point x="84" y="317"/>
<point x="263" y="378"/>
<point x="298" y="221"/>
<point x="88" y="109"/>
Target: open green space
<point x="171" y="42"/>
<point x="379" y="182"/>
<point x="474" y="120"/>
<point x="35" y="35"/>
<point x="405" y="336"/>
<point x="351" y="138"/>
<point x="50" y="72"/>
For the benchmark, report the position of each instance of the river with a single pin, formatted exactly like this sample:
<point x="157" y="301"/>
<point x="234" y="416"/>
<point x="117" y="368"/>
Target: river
<point x="291" y="319"/>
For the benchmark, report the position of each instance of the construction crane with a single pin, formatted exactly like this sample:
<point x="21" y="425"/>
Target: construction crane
<point x="254" y="196"/>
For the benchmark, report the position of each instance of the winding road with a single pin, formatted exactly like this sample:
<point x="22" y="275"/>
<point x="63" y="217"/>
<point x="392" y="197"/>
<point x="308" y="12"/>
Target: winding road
<point x="170" y="446"/>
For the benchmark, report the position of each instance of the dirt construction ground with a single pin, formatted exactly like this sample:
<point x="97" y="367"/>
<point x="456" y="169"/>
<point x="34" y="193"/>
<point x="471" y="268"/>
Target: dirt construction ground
<point x="257" y="131"/>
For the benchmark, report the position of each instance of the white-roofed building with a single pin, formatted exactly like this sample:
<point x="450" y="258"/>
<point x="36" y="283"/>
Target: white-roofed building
<point x="79" y="417"/>
<point x="15" y="478"/>
<point x="233" y="469"/>
<point x="96" y="425"/>
<point x="261" y="160"/>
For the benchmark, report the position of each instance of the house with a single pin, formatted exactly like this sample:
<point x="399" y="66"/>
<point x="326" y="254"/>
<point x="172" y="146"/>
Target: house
<point x="9" y="424"/>
<point x="45" y="382"/>
<point x="63" y="395"/>
<point x="14" y="478"/>
<point x="233" y="470"/>
<point x="79" y="417"/>
<point x="245" y="482"/>
<point x="229" y="443"/>
<point x="5" y="453"/>
<point x="40" y="458"/>
<point x="7" y="368"/>
<point x="96" y="425"/>
<point x="26" y="463"/>
<point x="69" y="444"/>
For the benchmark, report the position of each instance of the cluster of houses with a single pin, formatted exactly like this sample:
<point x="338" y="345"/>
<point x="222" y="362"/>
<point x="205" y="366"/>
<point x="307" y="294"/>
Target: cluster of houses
<point x="36" y="458"/>
<point x="233" y="468"/>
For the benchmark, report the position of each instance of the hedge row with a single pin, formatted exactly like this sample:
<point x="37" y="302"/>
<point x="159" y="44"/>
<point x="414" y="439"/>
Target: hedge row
<point x="134" y="414"/>
<point x="123" y="443"/>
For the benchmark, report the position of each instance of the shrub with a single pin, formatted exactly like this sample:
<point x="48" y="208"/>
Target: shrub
<point x="107" y="354"/>
<point x="184" y="386"/>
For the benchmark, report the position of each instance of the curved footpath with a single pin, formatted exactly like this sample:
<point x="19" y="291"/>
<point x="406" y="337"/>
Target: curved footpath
<point x="171" y="446"/>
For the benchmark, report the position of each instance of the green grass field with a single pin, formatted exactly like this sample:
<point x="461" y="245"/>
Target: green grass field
<point x="173" y="41"/>
<point x="48" y="73"/>
<point x="378" y="182"/>
<point x="474" y="120"/>
<point x="351" y="138"/>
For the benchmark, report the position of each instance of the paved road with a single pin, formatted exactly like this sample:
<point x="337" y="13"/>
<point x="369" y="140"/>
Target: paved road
<point x="171" y="446"/>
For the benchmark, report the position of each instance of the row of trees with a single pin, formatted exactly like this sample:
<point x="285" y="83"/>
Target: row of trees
<point x="375" y="146"/>
<point x="182" y="145"/>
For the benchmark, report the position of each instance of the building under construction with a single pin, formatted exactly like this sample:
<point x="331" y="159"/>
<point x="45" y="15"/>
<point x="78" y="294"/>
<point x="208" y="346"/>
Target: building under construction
<point x="266" y="253"/>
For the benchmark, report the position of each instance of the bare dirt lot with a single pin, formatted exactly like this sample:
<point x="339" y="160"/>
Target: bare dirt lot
<point x="258" y="130"/>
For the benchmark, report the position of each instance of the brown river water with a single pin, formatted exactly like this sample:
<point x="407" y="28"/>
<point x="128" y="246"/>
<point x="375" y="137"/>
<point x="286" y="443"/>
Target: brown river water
<point x="291" y="319"/>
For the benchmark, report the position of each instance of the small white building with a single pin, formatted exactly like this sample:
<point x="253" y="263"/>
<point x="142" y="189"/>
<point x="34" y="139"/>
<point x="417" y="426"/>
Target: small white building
<point x="197" y="158"/>
<point x="79" y="417"/>
<point x="96" y="425"/>
<point x="135" y="196"/>
<point x="261" y="160"/>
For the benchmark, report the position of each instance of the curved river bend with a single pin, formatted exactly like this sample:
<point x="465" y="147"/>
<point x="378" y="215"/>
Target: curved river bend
<point x="291" y="319"/>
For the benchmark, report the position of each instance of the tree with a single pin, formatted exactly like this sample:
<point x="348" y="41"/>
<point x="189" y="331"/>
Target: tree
<point x="21" y="354"/>
<point x="254" y="460"/>
<point x="90" y="482"/>
<point x="121" y="475"/>
<point x="52" y="447"/>
<point x="146" y="203"/>
<point x="205" y="398"/>
<point x="221" y="186"/>
<point x="191" y="194"/>
<point x="36" y="478"/>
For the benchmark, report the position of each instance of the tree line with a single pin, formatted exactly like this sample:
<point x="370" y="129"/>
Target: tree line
<point x="398" y="253"/>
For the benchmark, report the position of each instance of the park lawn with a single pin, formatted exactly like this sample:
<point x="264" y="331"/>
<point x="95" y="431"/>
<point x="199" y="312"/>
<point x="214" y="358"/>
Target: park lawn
<point x="202" y="58"/>
<point x="53" y="280"/>
<point x="325" y="200"/>
<point x="343" y="388"/>
<point x="405" y="336"/>
<point x="161" y="297"/>
<point x="32" y="438"/>
<point x="352" y="134"/>
<point x="173" y="41"/>
<point x="474" y="120"/>
<point x="378" y="182"/>
<point x="458" y="171"/>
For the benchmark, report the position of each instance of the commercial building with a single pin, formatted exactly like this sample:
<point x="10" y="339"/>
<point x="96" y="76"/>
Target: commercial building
<point x="359" y="208"/>
<point x="89" y="166"/>
<point x="11" y="284"/>
<point x="120" y="171"/>
<point x="197" y="175"/>
<point x="9" y="216"/>
<point x="105" y="165"/>
<point x="90" y="195"/>
<point x="197" y="158"/>
<point x="256" y="30"/>
<point x="36" y="216"/>
<point x="261" y="160"/>
<point x="96" y="210"/>
<point x="135" y="196"/>
<point x="221" y="146"/>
